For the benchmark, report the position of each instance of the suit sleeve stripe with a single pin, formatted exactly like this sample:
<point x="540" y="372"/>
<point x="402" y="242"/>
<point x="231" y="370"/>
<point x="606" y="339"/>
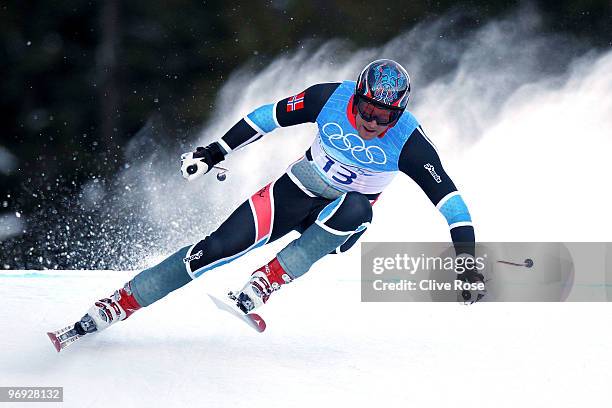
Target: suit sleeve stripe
<point x="253" y="125"/>
<point x="251" y="140"/>
<point x="460" y="224"/>
<point x="421" y="131"/>
<point x="455" y="210"/>
<point x="274" y="115"/>
<point x="263" y="118"/>
<point x="224" y="145"/>
<point x="446" y="198"/>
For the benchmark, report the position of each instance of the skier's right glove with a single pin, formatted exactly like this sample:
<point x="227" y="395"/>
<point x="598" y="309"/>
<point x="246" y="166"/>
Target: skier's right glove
<point x="195" y="164"/>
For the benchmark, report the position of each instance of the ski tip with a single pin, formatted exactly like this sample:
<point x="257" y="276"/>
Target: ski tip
<point x="260" y="324"/>
<point x="55" y="341"/>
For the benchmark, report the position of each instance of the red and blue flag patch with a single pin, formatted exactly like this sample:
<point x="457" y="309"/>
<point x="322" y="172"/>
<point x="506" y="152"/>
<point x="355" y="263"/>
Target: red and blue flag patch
<point x="295" y="102"/>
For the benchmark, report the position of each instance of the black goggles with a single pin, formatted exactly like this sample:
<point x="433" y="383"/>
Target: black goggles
<point x="370" y="110"/>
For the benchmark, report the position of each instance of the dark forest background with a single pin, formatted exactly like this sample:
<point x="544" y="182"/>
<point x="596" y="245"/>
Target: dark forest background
<point x="80" y="78"/>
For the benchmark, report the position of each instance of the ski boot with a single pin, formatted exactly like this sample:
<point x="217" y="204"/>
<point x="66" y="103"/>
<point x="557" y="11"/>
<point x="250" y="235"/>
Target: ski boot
<point x="101" y="315"/>
<point x="262" y="283"/>
<point x="108" y="311"/>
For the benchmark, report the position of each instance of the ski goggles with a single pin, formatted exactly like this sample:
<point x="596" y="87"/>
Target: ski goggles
<point x="371" y="110"/>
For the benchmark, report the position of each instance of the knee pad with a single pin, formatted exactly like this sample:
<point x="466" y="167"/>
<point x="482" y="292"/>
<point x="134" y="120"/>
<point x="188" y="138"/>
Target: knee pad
<point x="350" y="213"/>
<point x="359" y="205"/>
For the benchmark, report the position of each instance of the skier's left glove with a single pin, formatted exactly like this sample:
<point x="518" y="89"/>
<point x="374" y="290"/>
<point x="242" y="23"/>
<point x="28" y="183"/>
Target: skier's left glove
<point x="195" y="164"/>
<point x="476" y="280"/>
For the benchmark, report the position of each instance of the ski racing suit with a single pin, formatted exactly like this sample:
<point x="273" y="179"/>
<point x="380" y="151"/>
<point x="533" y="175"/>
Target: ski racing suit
<point x="326" y="195"/>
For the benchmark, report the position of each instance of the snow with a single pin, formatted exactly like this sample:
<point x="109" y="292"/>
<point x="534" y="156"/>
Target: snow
<point x="322" y="347"/>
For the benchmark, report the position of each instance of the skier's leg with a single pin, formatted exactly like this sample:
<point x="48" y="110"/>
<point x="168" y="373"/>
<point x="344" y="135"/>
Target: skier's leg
<point x="230" y="240"/>
<point x="235" y="235"/>
<point x="233" y="238"/>
<point x="253" y="224"/>
<point x="354" y="237"/>
<point x="344" y="217"/>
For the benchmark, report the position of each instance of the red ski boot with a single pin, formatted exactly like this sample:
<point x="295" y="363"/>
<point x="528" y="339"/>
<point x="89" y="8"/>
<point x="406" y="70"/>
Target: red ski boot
<point x="263" y="282"/>
<point x="108" y="311"/>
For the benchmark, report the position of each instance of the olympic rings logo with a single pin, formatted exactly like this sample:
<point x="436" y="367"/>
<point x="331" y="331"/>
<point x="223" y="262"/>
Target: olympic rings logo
<point x="352" y="142"/>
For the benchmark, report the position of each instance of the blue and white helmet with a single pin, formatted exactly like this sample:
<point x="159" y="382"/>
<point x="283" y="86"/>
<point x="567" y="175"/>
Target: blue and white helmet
<point x="384" y="82"/>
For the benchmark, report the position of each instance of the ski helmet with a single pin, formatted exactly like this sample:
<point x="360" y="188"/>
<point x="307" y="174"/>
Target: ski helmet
<point x="384" y="82"/>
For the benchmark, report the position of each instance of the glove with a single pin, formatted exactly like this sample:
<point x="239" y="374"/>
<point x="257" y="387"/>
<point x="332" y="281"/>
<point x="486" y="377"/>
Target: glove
<point x="195" y="164"/>
<point x="470" y="276"/>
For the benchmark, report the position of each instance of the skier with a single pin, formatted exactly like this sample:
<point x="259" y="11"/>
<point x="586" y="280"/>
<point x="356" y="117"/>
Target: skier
<point x="365" y="137"/>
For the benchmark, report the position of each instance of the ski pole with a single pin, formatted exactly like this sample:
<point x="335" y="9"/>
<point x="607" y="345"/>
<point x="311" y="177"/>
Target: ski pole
<point x="221" y="176"/>
<point x="527" y="263"/>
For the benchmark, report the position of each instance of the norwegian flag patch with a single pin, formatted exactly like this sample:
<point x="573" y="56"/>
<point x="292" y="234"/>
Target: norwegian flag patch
<point x="295" y="102"/>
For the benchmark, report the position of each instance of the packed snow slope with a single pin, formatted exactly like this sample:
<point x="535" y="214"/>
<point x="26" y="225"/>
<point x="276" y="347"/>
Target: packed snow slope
<point x="322" y="347"/>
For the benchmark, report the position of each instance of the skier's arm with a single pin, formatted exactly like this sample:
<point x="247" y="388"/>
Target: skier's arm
<point x="420" y="161"/>
<point x="301" y="108"/>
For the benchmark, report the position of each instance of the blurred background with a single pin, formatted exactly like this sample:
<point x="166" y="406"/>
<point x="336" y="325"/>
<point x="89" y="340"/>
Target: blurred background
<point x="92" y="88"/>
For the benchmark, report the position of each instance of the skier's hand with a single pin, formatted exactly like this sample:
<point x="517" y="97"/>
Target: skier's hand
<point x="469" y="276"/>
<point x="195" y="164"/>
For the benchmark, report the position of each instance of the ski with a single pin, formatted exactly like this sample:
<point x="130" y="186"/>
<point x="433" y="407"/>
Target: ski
<point x="64" y="337"/>
<point x="252" y="319"/>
